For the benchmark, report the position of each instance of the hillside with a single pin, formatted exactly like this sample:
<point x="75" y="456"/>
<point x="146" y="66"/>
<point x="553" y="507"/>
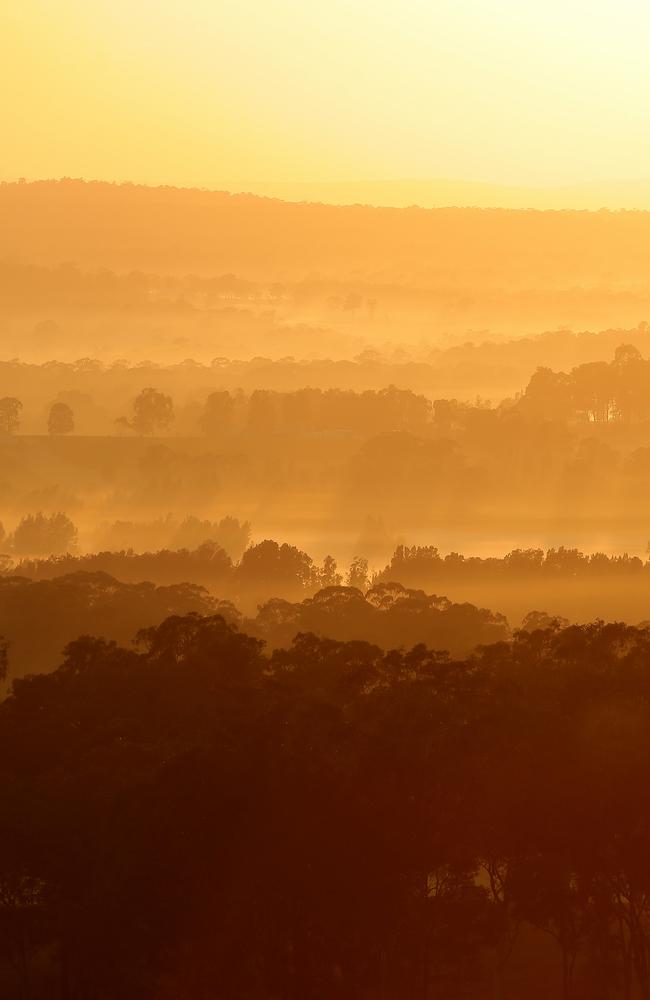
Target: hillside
<point x="178" y="230"/>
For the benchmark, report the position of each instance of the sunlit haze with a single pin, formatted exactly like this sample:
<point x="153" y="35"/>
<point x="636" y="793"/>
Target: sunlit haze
<point x="324" y="500"/>
<point x="246" y="92"/>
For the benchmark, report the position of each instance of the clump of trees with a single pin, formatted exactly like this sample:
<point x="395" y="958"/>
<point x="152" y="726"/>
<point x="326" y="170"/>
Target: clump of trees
<point x="60" y="419"/>
<point x="39" y="618"/>
<point x="208" y="565"/>
<point x="265" y="569"/>
<point x="218" y="413"/>
<point x="420" y="565"/>
<point x="316" y="410"/>
<point x="595" y="392"/>
<point x="388" y="615"/>
<point x="152" y="411"/>
<point x="10" y="408"/>
<point x="190" y="533"/>
<point x="42" y="535"/>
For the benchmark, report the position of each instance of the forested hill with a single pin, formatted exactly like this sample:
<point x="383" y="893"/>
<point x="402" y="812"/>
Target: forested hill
<point x="181" y="230"/>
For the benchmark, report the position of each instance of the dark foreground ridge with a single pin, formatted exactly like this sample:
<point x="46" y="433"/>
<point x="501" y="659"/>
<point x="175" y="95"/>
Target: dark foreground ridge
<point x="193" y="818"/>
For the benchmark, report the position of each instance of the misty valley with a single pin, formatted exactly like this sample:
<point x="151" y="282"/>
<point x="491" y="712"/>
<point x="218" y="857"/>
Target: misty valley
<point x="324" y="599"/>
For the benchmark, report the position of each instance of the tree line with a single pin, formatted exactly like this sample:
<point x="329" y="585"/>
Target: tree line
<point x="595" y="392"/>
<point x="40" y="534"/>
<point x="39" y="617"/>
<point x="413" y="564"/>
<point x="598" y="392"/>
<point x="262" y="411"/>
<point x="191" y="818"/>
<point x="282" y="565"/>
<point x="496" y="369"/>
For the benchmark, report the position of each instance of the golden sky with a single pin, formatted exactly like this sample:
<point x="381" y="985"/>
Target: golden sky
<point x="212" y="91"/>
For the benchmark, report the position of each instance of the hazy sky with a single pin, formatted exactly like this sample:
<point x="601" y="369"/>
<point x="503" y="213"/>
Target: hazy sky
<point x="198" y="91"/>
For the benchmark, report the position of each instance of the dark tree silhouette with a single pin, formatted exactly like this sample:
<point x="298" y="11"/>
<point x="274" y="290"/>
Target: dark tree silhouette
<point x="358" y="576"/>
<point x="38" y="534"/>
<point x="10" y="408"/>
<point x="217" y="414"/>
<point x="425" y="827"/>
<point x="60" y="419"/>
<point x="152" y="411"/>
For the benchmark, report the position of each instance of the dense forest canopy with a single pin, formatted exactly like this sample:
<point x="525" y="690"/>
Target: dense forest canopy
<point x="179" y="813"/>
<point x="275" y="591"/>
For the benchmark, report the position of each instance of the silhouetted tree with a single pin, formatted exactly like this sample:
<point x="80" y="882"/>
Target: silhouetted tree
<point x="152" y="410"/>
<point x="328" y="575"/>
<point x="217" y="414"/>
<point x="540" y="620"/>
<point x="38" y="534"/>
<point x="60" y="419"/>
<point x="10" y="408"/>
<point x="358" y="574"/>
<point x="270" y="567"/>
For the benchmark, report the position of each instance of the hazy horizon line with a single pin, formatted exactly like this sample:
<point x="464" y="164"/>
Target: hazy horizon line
<point x="425" y="193"/>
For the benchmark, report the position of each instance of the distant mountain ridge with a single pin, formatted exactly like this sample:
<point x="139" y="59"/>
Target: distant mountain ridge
<point x="173" y="230"/>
